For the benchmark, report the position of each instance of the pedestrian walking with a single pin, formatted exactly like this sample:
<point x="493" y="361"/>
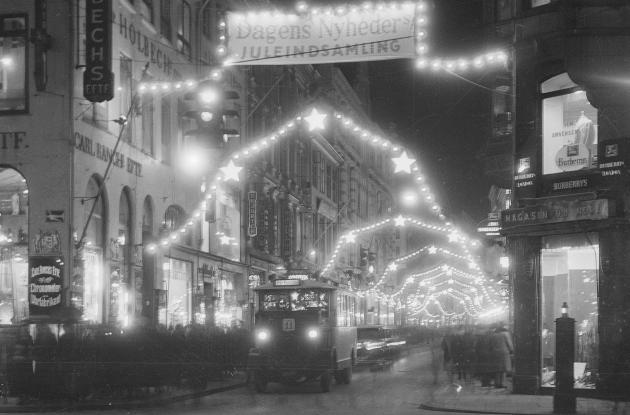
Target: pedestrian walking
<point x="483" y="365"/>
<point x="448" y="356"/>
<point x="468" y="357"/>
<point x="501" y="349"/>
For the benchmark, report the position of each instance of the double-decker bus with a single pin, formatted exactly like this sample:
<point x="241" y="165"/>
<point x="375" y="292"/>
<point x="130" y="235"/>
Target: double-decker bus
<point x="304" y="330"/>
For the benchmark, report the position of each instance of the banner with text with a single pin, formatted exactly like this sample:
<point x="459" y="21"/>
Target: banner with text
<point x="45" y="285"/>
<point x="292" y="39"/>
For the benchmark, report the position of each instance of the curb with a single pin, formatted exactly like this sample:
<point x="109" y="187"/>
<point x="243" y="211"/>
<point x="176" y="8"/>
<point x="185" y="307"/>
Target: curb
<point x="463" y="411"/>
<point x="119" y="405"/>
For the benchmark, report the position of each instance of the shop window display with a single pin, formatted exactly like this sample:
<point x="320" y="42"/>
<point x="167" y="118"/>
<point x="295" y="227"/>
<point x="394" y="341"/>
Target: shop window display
<point x="177" y="309"/>
<point x="13" y="247"/>
<point x="569" y="272"/>
<point x="569" y="127"/>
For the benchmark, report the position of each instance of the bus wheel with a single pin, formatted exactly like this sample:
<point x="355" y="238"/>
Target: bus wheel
<point x="324" y="382"/>
<point x="260" y="381"/>
<point x="346" y="376"/>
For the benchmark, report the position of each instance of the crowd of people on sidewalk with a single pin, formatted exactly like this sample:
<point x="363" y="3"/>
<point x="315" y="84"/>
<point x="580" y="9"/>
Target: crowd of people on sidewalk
<point x="478" y="352"/>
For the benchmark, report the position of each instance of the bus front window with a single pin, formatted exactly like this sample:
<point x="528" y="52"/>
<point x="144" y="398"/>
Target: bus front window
<point x="276" y="301"/>
<point x="296" y="300"/>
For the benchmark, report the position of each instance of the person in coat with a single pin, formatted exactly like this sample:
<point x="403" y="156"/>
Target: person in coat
<point x="501" y="349"/>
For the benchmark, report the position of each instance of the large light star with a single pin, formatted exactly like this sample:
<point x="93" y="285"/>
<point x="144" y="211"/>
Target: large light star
<point x="231" y="171"/>
<point x="399" y="221"/>
<point x="315" y="120"/>
<point x="225" y="240"/>
<point x="403" y="163"/>
<point x="453" y="236"/>
<point x="432" y="250"/>
<point x="392" y="267"/>
<point x="350" y="238"/>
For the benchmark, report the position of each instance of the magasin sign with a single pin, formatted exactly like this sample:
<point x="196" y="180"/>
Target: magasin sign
<point x="557" y="211"/>
<point x="98" y="79"/>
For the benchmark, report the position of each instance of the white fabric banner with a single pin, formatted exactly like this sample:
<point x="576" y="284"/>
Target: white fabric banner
<point x="292" y="39"/>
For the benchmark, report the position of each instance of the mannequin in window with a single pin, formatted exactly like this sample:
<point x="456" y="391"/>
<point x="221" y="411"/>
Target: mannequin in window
<point x="15" y="204"/>
<point x="584" y="131"/>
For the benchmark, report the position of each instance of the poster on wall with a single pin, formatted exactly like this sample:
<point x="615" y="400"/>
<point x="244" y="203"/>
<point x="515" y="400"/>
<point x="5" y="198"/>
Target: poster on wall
<point x="45" y="284"/>
<point x="356" y="34"/>
<point x="569" y="133"/>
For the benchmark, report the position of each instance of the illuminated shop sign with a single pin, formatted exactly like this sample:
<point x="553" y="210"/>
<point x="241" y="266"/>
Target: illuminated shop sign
<point x="612" y="158"/>
<point x="98" y="79"/>
<point x="45" y="284"/>
<point x="557" y="211"/>
<point x="569" y="133"/>
<point x="290" y="39"/>
<point x="287" y="283"/>
<point x="252" y="229"/>
<point x="574" y="184"/>
<point x="524" y="176"/>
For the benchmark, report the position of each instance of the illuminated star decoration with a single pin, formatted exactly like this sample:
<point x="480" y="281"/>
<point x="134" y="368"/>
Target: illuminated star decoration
<point x="393" y="266"/>
<point x="350" y="238"/>
<point x="231" y="171"/>
<point x="453" y="236"/>
<point x="403" y="163"/>
<point x="399" y="221"/>
<point x="225" y="240"/>
<point x="315" y="120"/>
<point x="432" y="250"/>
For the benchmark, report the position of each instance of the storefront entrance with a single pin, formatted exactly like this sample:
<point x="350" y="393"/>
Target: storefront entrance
<point x="569" y="273"/>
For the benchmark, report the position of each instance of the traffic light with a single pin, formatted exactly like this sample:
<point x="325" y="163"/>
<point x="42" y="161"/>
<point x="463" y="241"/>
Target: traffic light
<point x="208" y="109"/>
<point x="363" y="257"/>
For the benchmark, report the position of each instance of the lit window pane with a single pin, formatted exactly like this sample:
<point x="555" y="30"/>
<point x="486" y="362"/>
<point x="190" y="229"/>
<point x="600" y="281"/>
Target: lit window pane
<point x="13" y="66"/>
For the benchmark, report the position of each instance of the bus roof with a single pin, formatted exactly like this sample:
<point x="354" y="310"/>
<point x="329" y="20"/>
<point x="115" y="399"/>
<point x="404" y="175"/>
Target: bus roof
<point x="289" y="284"/>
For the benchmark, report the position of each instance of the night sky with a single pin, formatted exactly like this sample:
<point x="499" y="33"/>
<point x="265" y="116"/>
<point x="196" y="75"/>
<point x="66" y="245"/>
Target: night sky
<point x="446" y="120"/>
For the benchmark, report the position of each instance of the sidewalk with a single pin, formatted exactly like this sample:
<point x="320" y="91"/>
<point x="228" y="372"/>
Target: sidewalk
<point x="150" y="399"/>
<point x="475" y="399"/>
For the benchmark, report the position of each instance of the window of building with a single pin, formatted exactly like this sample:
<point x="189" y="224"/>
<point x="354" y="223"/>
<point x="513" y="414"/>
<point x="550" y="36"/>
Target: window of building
<point x="503" y="9"/>
<point x="335" y="184"/>
<point x="125" y="93"/>
<point x="183" y="30"/>
<point x="147" y="123"/>
<point x="145" y="7"/>
<point x="569" y="127"/>
<point x="538" y="3"/>
<point x="14" y="247"/>
<point x="206" y="21"/>
<point x="166" y="130"/>
<point x="165" y="19"/>
<point x="90" y="297"/>
<point x="174" y="219"/>
<point x="329" y="180"/>
<point x="13" y="86"/>
<point x="569" y="273"/>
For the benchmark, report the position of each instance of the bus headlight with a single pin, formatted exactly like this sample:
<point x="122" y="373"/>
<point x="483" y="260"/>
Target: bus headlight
<point x="312" y="333"/>
<point x="262" y="335"/>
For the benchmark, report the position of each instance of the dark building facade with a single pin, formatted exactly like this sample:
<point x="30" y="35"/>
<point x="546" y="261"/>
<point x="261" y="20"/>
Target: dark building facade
<point x="567" y="229"/>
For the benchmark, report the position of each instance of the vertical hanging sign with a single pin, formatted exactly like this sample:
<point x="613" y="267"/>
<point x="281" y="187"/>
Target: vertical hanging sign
<point x="44" y="285"/>
<point x="252" y="229"/>
<point x="98" y="79"/>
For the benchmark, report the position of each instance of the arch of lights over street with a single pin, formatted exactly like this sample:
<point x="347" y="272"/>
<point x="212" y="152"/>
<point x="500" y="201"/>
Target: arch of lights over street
<point x="313" y="120"/>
